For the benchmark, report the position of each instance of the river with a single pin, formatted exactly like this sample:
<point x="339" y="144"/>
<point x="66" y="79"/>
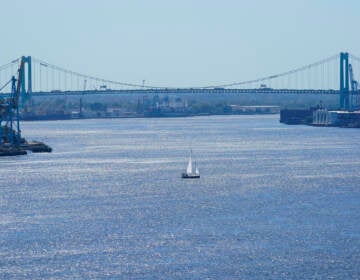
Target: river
<point x="273" y="201"/>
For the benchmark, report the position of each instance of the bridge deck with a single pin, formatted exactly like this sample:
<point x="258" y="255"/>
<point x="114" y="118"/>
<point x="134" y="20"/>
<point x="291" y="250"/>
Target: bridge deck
<point x="192" y="91"/>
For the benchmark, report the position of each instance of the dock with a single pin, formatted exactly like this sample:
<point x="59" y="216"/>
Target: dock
<point x="321" y="117"/>
<point x="24" y="148"/>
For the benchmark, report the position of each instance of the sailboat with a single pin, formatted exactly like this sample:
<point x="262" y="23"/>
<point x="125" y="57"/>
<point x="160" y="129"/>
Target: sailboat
<point x="191" y="172"/>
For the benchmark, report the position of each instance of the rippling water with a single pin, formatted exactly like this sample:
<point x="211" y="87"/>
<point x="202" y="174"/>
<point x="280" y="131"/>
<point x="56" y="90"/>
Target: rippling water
<point x="273" y="201"/>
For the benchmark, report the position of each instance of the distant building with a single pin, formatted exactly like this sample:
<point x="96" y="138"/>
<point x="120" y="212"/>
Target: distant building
<point x="238" y="109"/>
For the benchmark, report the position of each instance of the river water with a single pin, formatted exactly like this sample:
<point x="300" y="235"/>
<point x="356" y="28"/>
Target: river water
<point x="273" y="201"/>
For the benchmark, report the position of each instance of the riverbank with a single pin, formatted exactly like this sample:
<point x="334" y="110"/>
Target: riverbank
<point x="236" y="110"/>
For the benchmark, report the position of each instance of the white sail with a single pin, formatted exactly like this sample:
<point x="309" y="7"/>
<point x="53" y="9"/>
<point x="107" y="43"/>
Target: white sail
<point x="197" y="171"/>
<point x="189" y="167"/>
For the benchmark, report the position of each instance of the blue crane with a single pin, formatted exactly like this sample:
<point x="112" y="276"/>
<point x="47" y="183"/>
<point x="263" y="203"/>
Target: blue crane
<point x="10" y="133"/>
<point x="354" y="87"/>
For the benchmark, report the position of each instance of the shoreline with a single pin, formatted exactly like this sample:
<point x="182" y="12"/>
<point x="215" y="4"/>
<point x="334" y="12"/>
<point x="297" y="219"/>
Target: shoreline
<point x="139" y="117"/>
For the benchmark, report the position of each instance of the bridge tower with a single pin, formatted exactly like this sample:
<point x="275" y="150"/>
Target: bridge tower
<point x="344" y="81"/>
<point x="27" y="61"/>
<point x="25" y="92"/>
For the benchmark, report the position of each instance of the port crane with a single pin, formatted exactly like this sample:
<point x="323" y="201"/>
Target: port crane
<point x="354" y="87"/>
<point x="10" y="133"/>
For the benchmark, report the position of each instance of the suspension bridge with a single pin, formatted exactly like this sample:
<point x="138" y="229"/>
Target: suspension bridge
<point x="27" y="76"/>
<point x="333" y="75"/>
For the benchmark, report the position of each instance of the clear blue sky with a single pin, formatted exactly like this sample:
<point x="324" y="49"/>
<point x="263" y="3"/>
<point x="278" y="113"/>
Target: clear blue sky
<point x="179" y="43"/>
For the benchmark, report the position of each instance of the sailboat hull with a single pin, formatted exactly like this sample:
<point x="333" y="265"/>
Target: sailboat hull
<point x="190" y="176"/>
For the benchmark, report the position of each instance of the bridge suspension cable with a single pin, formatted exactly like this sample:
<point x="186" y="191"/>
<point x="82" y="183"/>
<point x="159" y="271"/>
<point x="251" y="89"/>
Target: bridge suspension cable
<point x="10" y="64"/>
<point x="354" y="57"/>
<point x="318" y="75"/>
<point x="280" y="75"/>
<point x="6" y="84"/>
<point x="6" y="72"/>
<point x="85" y="78"/>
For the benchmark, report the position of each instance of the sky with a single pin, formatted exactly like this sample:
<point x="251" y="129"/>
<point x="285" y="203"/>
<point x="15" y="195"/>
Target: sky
<point x="179" y="42"/>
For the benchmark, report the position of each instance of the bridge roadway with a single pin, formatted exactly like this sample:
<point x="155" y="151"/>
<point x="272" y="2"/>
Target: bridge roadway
<point x="186" y="91"/>
<point x="190" y="91"/>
